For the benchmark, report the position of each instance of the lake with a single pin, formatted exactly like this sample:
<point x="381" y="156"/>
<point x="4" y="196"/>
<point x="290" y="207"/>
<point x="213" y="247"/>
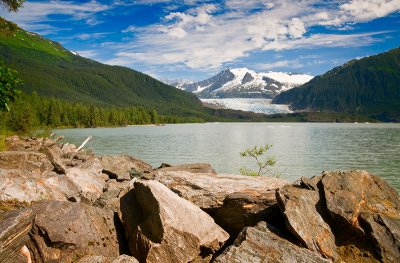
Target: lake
<point x="301" y="149"/>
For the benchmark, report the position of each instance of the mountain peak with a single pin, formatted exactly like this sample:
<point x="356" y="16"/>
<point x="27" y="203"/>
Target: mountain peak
<point x="245" y="83"/>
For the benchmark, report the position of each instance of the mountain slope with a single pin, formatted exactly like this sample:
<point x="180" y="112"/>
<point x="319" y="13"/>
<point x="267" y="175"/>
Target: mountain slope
<point x="50" y="70"/>
<point x="367" y="86"/>
<point x="244" y="83"/>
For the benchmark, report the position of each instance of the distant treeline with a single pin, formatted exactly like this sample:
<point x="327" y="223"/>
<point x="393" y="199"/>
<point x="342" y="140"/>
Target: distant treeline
<point x="30" y="112"/>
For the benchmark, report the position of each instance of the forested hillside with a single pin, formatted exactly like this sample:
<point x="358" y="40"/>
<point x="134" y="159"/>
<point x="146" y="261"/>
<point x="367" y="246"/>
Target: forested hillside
<point x="369" y="86"/>
<point x="50" y="70"/>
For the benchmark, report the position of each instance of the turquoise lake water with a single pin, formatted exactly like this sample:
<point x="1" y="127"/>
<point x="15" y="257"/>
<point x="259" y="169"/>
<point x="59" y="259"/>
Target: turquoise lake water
<point x="301" y="149"/>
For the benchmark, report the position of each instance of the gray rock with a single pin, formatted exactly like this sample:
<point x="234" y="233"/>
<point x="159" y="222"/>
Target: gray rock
<point x="64" y="231"/>
<point x="301" y="210"/>
<point x="54" y="156"/>
<point x="20" y="186"/>
<point x="87" y="178"/>
<point x="206" y="189"/>
<point x="28" y="161"/>
<point x="259" y="244"/>
<point x="123" y="167"/>
<point x="161" y="226"/>
<point x="14" y="229"/>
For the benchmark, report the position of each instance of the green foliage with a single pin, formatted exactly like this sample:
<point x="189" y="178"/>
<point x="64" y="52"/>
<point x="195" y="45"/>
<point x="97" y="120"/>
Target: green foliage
<point x="35" y="115"/>
<point x="9" y="81"/>
<point x="369" y="86"/>
<point x="12" y="5"/>
<point x="264" y="165"/>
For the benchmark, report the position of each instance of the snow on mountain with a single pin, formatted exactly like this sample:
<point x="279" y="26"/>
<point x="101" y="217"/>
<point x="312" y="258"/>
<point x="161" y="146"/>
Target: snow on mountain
<point x="290" y="79"/>
<point x="244" y="83"/>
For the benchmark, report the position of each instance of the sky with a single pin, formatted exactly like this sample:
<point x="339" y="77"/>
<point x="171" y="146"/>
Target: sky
<point x="195" y="39"/>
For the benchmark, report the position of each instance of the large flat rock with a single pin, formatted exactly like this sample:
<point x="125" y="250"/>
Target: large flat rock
<point x="33" y="162"/>
<point x="207" y="190"/>
<point x="162" y="227"/>
<point x="19" y="186"/>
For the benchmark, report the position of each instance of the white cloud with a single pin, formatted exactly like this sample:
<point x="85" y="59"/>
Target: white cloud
<point x="203" y="35"/>
<point x="365" y="10"/>
<point x="86" y="36"/>
<point x="209" y="36"/>
<point x="34" y="15"/>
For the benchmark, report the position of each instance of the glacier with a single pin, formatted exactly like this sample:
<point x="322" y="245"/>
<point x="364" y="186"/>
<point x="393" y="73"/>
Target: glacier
<point x="249" y="104"/>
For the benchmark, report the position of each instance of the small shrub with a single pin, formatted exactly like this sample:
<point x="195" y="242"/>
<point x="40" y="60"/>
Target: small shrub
<point x="264" y="165"/>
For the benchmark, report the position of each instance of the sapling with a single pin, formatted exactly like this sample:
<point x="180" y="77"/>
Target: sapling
<point x="264" y="165"/>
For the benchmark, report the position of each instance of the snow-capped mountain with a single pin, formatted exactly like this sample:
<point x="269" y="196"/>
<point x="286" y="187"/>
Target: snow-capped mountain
<point x="244" y="83"/>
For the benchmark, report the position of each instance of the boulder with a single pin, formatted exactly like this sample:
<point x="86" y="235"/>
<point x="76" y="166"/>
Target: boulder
<point x="301" y="209"/>
<point x="65" y="231"/>
<point x="87" y="178"/>
<point x="113" y="191"/>
<point x="14" y="143"/>
<point x="245" y="208"/>
<point x="103" y="259"/>
<point x="161" y="226"/>
<point x="19" y="186"/>
<point x="54" y="156"/>
<point x="28" y="161"/>
<point x="123" y="167"/>
<point x="259" y="244"/>
<point x="14" y="229"/>
<point x="367" y="206"/>
<point x="206" y="189"/>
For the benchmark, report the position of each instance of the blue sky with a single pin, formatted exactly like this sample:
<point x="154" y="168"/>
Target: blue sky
<point x="194" y="39"/>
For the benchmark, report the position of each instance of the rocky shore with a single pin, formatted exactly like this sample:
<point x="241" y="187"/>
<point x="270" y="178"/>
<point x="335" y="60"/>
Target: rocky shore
<point x="61" y="204"/>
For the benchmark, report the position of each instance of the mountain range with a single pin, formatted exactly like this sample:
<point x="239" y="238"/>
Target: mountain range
<point x="244" y="83"/>
<point x="369" y="86"/>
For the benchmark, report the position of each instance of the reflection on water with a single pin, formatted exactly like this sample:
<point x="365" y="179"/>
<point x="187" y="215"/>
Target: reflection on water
<point x="302" y="149"/>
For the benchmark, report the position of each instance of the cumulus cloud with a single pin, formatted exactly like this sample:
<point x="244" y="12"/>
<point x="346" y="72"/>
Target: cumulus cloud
<point x="210" y="35"/>
<point x="365" y="10"/>
<point x="205" y="34"/>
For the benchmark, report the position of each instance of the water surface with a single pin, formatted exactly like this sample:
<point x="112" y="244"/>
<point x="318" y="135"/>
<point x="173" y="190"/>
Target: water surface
<point x="302" y="149"/>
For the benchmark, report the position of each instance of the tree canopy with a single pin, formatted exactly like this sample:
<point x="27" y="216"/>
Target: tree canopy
<point x="12" y="5"/>
<point x="9" y="81"/>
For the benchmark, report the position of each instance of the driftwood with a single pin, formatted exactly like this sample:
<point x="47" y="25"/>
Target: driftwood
<point x="59" y="138"/>
<point x="83" y="144"/>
